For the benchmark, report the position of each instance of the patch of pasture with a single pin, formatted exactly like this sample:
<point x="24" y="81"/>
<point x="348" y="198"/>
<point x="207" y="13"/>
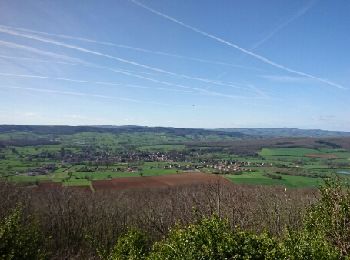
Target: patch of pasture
<point x="257" y="178"/>
<point x="295" y="152"/>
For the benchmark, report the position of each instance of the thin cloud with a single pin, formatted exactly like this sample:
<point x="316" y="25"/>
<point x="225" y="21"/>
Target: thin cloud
<point x="235" y="46"/>
<point x="128" y="73"/>
<point x="119" y="71"/>
<point x="285" y="79"/>
<point x="62" y="62"/>
<point x="82" y="94"/>
<point x="134" y="63"/>
<point x="259" y="91"/>
<point x="37" y="51"/>
<point x="204" y="92"/>
<point x="86" y="81"/>
<point x="91" y="65"/>
<point x="224" y="95"/>
<point x="70" y="93"/>
<point x="36" y="60"/>
<point x="200" y="90"/>
<point x="214" y="62"/>
<point x="90" y="82"/>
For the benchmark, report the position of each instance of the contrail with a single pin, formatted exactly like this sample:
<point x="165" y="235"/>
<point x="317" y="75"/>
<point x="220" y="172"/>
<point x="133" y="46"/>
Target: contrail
<point x="71" y="93"/>
<point x="218" y="94"/>
<point x="36" y="60"/>
<point x="87" y="64"/>
<point x="37" y="51"/>
<point x="259" y="91"/>
<point x="235" y="46"/>
<point x="82" y="94"/>
<point x="84" y="50"/>
<point x="86" y="82"/>
<point x="131" y="74"/>
<point x="205" y="92"/>
<point x="298" y="14"/>
<point x="74" y="61"/>
<point x="119" y="71"/>
<point x="200" y="90"/>
<point x="214" y="62"/>
<point x="128" y="73"/>
<point x="70" y="80"/>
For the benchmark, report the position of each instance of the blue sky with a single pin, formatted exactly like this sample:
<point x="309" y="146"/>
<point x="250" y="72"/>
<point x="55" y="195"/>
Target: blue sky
<point x="176" y="63"/>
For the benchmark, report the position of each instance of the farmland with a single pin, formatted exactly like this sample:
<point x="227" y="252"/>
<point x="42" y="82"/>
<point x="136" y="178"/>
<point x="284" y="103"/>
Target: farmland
<point x="84" y="190"/>
<point x="80" y="157"/>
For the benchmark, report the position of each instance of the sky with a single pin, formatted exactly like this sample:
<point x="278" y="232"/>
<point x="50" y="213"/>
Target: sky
<point x="183" y="63"/>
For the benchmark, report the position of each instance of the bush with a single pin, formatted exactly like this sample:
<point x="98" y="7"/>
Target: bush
<point x="326" y="229"/>
<point x="133" y="245"/>
<point x="330" y="216"/>
<point x="309" y="245"/>
<point x="212" y="238"/>
<point x="20" y="239"/>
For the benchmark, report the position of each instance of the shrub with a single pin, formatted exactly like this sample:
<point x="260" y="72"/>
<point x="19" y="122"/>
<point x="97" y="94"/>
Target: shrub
<point x="309" y="245"/>
<point x="212" y="238"/>
<point x="133" y="245"/>
<point x="330" y="216"/>
<point x="19" y="239"/>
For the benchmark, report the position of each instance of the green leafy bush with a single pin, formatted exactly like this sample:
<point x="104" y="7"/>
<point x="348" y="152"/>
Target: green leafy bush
<point x="133" y="245"/>
<point x="19" y="239"/>
<point x="211" y="239"/>
<point x="326" y="230"/>
<point x="309" y="245"/>
<point x="329" y="218"/>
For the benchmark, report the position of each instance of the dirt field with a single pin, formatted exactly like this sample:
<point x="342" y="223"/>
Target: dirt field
<point x="46" y="186"/>
<point x="157" y="181"/>
<point x="323" y="156"/>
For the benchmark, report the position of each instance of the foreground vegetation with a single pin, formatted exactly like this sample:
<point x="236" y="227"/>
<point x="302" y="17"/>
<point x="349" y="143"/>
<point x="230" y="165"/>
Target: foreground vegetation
<point x="214" y="221"/>
<point x="51" y="210"/>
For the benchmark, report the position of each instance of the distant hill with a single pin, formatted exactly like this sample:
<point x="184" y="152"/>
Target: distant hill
<point x="286" y="132"/>
<point x="241" y="133"/>
<point x="66" y="130"/>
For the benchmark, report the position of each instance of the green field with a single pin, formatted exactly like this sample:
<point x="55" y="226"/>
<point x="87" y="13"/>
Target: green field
<point x="294" y="152"/>
<point x="258" y="178"/>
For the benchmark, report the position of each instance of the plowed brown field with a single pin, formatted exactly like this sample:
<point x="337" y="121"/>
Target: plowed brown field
<point x="323" y="156"/>
<point x="157" y="181"/>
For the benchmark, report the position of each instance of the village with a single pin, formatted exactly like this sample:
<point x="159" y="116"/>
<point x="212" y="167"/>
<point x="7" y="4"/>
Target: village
<point x="133" y="161"/>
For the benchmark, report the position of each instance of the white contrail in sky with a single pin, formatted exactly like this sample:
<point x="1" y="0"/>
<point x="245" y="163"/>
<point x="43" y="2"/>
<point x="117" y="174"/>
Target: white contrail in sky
<point x="71" y="93"/>
<point x="73" y="61"/>
<point x="70" y="80"/>
<point x="82" y="94"/>
<point x="126" y="72"/>
<point x="119" y="71"/>
<point x="218" y="94"/>
<point x="200" y="90"/>
<point x="204" y="92"/>
<point x="296" y="16"/>
<point x="37" y="51"/>
<point x="84" y="50"/>
<point x="214" y="62"/>
<point x="259" y="91"/>
<point x="36" y="60"/>
<point x="131" y="74"/>
<point x="87" y="82"/>
<point x="235" y="46"/>
<point x="90" y="65"/>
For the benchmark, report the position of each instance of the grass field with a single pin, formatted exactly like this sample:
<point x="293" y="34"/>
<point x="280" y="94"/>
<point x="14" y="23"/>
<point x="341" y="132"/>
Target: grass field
<point x="257" y="178"/>
<point x="295" y="152"/>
